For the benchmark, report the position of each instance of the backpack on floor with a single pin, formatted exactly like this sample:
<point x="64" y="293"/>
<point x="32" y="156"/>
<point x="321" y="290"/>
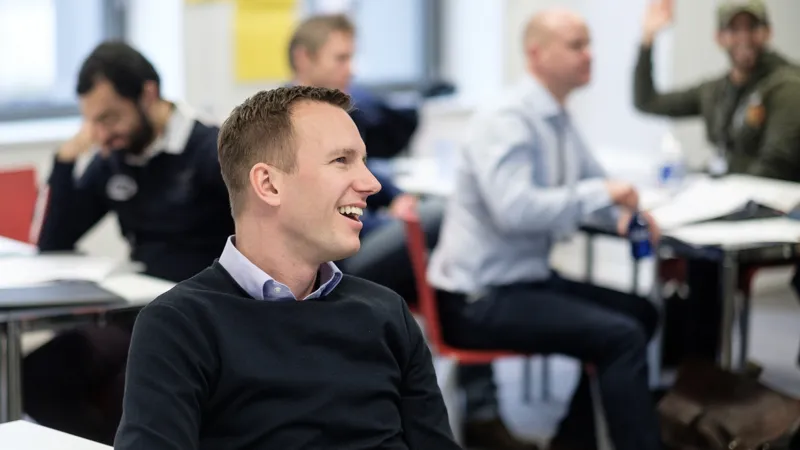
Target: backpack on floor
<point x="712" y="409"/>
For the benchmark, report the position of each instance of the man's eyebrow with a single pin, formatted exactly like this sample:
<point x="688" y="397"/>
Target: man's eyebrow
<point x="351" y="152"/>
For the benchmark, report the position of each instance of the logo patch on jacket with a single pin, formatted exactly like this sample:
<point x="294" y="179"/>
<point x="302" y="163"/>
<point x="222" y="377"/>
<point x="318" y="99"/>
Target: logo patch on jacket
<point x="756" y="113"/>
<point x="121" y="188"/>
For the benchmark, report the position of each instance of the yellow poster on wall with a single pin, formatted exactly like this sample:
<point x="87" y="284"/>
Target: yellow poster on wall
<point x="262" y="30"/>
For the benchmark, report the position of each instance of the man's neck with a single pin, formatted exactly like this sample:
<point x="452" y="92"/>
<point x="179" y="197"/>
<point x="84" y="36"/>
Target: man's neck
<point x="559" y="94"/>
<point x="739" y="77"/>
<point x="160" y="116"/>
<point x="275" y="259"/>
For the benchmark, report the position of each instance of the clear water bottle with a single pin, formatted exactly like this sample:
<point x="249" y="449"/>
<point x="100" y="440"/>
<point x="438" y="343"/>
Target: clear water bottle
<point x="672" y="167"/>
<point x="639" y="235"/>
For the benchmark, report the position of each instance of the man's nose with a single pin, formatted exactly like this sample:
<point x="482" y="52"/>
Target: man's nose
<point x="100" y="134"/>
<point x="368" y="184"/>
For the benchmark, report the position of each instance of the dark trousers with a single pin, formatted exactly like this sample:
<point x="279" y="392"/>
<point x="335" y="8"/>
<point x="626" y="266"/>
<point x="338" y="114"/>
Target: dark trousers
<point x="696" y="331"/>
<point x="693" y="325"/>
<point x="75" y="382"/>
<point x="595" y="325"/>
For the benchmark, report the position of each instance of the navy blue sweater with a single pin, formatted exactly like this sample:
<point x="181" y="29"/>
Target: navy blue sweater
<point x="173" y="210"/>
<point x="212" y="368"/>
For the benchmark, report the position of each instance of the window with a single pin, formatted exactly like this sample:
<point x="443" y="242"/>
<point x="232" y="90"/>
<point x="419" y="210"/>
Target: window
<point x="397" y="41"/>
<point x="42" y="45"/>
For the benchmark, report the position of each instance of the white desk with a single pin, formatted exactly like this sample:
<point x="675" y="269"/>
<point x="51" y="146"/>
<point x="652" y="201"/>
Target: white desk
<point x="21" y="435"/>
<point x="12" y="247"/>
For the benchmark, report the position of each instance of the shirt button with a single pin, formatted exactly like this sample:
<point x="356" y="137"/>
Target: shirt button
<point x="278" y="290"/>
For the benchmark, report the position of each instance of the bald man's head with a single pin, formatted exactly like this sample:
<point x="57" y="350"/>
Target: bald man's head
<point x="548" y="23"/>
<point x="556" y="43"/>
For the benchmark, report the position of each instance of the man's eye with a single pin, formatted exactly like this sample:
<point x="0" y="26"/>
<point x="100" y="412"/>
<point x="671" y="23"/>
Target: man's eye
<point x="340" y="159"/>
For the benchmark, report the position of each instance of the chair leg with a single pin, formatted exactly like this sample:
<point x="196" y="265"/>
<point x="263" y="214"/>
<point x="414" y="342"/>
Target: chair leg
<point x="526" y="380"/>
<point x="603" y="439"/>
<point x="546" y="378"/>
<point x="744" y="328"/>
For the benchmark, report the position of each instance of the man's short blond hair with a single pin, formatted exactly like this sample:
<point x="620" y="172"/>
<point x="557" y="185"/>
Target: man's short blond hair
<point x="313" y="32"/>
<point x="261" y="130"/>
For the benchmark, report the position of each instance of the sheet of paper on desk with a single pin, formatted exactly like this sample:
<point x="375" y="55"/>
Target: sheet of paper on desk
<point x="708" y="199"/>
<point x="20" y="271"/>
<point x="777" y="194"/>
<point x="12" y="247"/>
<point x="702" y="200"/>
<point x="778" y="230"/>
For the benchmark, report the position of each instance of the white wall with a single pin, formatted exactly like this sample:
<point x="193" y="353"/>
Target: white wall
<point x="208" y="58"/>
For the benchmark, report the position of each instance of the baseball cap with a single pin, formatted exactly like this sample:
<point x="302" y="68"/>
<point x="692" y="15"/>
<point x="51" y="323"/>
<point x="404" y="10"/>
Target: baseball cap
<point x="728" y="9"/>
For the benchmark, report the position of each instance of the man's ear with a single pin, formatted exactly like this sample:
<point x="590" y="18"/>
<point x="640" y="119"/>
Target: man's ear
<point x="266" y="183"/>
<point x="301" y="57"/>
<point x="719" y="39"/>
<point x="149" y="93"/>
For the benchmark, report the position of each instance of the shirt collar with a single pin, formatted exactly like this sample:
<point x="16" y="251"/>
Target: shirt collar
<point x="540" y="99"/>
<point x="261" y="286"/>
<point x="173" y="140"/>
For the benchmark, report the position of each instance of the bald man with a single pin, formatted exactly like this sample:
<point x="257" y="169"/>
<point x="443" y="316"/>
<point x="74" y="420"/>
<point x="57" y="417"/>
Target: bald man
<point x="526" y="181"/>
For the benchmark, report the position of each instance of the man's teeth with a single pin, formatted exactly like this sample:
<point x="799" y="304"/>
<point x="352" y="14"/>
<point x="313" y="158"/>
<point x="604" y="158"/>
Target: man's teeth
<point x="348" y="210"/>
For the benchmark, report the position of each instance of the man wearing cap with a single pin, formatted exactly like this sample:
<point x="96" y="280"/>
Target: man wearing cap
<point x="751" y="118"/>
<point x="750" y="113"/>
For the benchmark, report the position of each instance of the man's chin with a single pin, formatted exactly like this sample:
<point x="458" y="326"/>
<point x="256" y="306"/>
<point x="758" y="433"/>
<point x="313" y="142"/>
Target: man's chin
<point x="346" y="251"/>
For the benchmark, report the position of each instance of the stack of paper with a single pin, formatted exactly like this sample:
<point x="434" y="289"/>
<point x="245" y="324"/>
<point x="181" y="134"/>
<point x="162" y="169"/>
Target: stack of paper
<point x="22" y="271"/>
<point x="731" y="234"/>
<point x="711" y="199"/>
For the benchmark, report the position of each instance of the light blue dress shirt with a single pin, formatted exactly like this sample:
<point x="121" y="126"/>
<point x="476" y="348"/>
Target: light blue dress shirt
<point x="261" y="286"/>
<point x="525" y="179"/>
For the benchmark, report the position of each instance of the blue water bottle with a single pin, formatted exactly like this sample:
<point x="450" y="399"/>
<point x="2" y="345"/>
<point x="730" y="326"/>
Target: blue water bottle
<point x="639" y="235"/>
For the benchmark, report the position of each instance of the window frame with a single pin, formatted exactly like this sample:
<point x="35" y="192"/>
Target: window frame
<point x="114" y="27"/>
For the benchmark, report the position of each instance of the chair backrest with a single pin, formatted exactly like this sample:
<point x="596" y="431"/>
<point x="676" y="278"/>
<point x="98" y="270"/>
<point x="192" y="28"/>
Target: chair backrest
<point x="426" y="296"/>
<point x="18" y="196"/>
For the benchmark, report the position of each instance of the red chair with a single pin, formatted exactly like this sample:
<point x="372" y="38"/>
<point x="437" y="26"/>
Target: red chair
<point x="428" y="306"/>
<point x="18" y="194"/>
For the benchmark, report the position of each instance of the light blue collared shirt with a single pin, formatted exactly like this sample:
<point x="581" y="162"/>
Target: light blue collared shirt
<point x="526" y="179"/>
<point x="261" y="286"/>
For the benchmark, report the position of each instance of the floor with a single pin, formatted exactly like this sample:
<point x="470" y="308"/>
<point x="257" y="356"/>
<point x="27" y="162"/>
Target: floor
<point x="775" y="338"/>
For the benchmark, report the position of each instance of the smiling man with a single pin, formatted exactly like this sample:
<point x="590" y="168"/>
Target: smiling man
<point x="750" y="112"/>
<point x="272" y="347"/>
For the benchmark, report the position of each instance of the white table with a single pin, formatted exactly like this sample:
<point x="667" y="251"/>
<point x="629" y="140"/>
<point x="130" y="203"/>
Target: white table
<point x="21" y="435"/>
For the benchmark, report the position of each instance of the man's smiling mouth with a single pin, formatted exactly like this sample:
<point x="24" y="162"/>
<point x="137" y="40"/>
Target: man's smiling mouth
<point x="351" y="212"/>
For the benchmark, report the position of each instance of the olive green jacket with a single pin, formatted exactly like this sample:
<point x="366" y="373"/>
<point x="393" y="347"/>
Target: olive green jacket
<point x="759" y="131"/>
